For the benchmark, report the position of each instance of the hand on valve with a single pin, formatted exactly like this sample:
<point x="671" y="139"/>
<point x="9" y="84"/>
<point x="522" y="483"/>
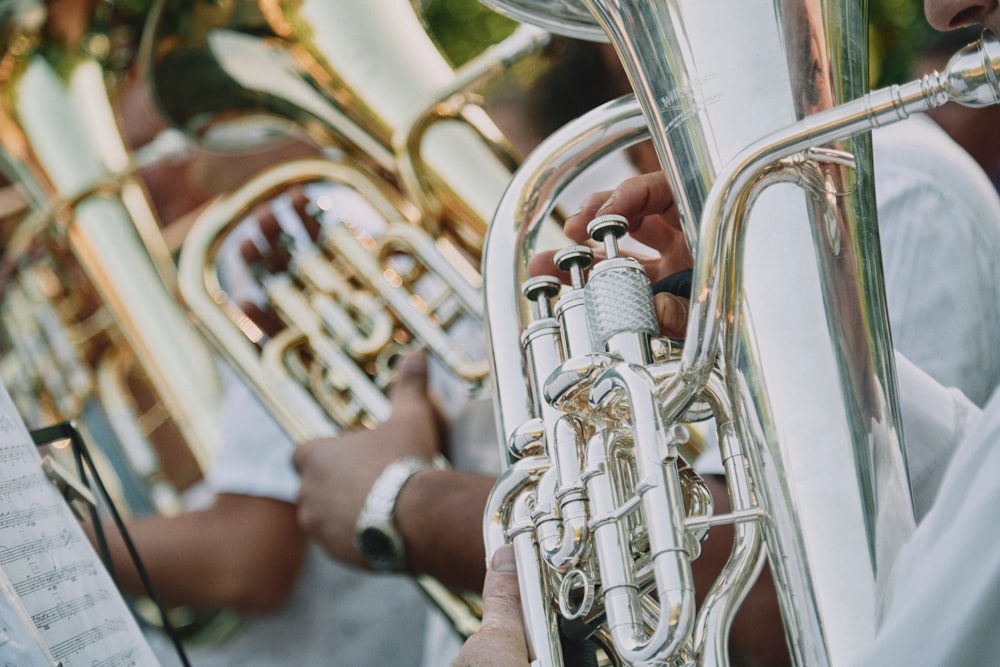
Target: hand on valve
<point x="647" y="201"/>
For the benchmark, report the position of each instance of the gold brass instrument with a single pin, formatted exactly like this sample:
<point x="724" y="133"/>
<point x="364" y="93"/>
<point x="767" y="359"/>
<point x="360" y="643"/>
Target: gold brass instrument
<point x="91" y="329"/>
<point x="413" y="170"/>
<point x="787" y="346"/>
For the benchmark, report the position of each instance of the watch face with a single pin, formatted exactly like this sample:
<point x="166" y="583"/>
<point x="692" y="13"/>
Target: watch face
<point x="379" y="549"/>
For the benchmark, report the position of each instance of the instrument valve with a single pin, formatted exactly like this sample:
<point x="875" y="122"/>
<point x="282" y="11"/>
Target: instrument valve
<point x="540" y="290"/>
<point x="618" y="297"/>
<point x="571" y="308"/>
<point x="607" y="229"/>
<point x="574" y="260"/>
<point x="527" y="440"/>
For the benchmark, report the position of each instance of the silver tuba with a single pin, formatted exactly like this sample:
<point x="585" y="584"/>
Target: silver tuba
<point x="404" y="139"/>
<point x="787" y="346"/>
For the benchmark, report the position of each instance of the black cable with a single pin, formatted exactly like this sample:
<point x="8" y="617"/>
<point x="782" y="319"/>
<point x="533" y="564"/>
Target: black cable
<point x="67" y="430"/>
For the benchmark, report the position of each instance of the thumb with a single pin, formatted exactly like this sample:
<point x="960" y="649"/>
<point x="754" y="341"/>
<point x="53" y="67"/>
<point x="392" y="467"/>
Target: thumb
<point x="411" y="378"/>
<point x="672" y="314"/>
<point x="501" y="594"/>
<point x="500" y="641"/>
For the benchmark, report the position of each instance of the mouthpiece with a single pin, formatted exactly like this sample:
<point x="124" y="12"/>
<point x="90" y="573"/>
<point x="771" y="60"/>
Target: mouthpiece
<point x="972" y="76"/>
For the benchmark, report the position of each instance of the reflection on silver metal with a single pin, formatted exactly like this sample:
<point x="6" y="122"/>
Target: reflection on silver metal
<point x="787" y="338"/>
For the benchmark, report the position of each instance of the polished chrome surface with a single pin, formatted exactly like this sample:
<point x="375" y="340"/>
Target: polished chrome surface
<point x="787" y="309"/>
<point x="571" y="18"/>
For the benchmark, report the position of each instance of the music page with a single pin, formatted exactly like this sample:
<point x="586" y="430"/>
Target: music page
<point x="52" y="573"/>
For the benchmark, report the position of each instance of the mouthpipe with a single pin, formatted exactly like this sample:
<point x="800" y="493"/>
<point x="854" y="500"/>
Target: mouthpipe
<point x="972" y="78"/>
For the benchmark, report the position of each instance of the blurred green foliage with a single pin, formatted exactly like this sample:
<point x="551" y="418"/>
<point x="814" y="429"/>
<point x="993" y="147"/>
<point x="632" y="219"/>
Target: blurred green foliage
<point x="464" y="27"/>
<point x="897" y="30"/>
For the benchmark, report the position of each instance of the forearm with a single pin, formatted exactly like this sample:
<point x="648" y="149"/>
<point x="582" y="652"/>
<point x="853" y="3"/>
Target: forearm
<point x="242" y="553"/>
<point x="166" y="548"/>
<point x="440" y="514"/>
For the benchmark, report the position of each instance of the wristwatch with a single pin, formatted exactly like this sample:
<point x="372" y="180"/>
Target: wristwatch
<point x="375" y="533"/>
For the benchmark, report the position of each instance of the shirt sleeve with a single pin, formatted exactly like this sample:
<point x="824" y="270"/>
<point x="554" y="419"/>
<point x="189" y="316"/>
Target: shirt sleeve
<point x="255" y="457"/>
<point x="941" y="599"/>
<point x="939" y="225"/>
<point x="935" y="418"/>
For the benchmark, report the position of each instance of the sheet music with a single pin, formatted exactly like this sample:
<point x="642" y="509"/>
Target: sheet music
<point x="20" y="641"/>
<point x="52" y="570"/>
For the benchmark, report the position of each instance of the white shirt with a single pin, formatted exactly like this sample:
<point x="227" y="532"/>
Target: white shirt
<point x="941" y="607"/>
<point x="939" y="222"/>
<point x="941" y="604"/>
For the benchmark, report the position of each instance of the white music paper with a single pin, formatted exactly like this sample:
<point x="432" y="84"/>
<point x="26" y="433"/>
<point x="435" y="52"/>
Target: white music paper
<point x="54" y="576"/>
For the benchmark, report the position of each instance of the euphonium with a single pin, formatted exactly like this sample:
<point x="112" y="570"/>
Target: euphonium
<point x="787" y="344"/>
<point x="91" y="330"/>
<point x="398" y="267"/>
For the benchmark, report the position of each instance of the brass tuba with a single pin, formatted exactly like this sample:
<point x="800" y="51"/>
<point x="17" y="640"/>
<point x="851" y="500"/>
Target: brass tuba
<point x="91" y="329"/>
<point x="88" y="274"/>
<point x="405" y="141"/>
<point x="787" y="346"/>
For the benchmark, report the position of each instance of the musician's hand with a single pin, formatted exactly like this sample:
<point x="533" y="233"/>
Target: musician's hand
<point x="337" y="473"/>
<point x="271" y="256"/>
<point x="648" y="203"/>
<point x="500" y="642"/>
